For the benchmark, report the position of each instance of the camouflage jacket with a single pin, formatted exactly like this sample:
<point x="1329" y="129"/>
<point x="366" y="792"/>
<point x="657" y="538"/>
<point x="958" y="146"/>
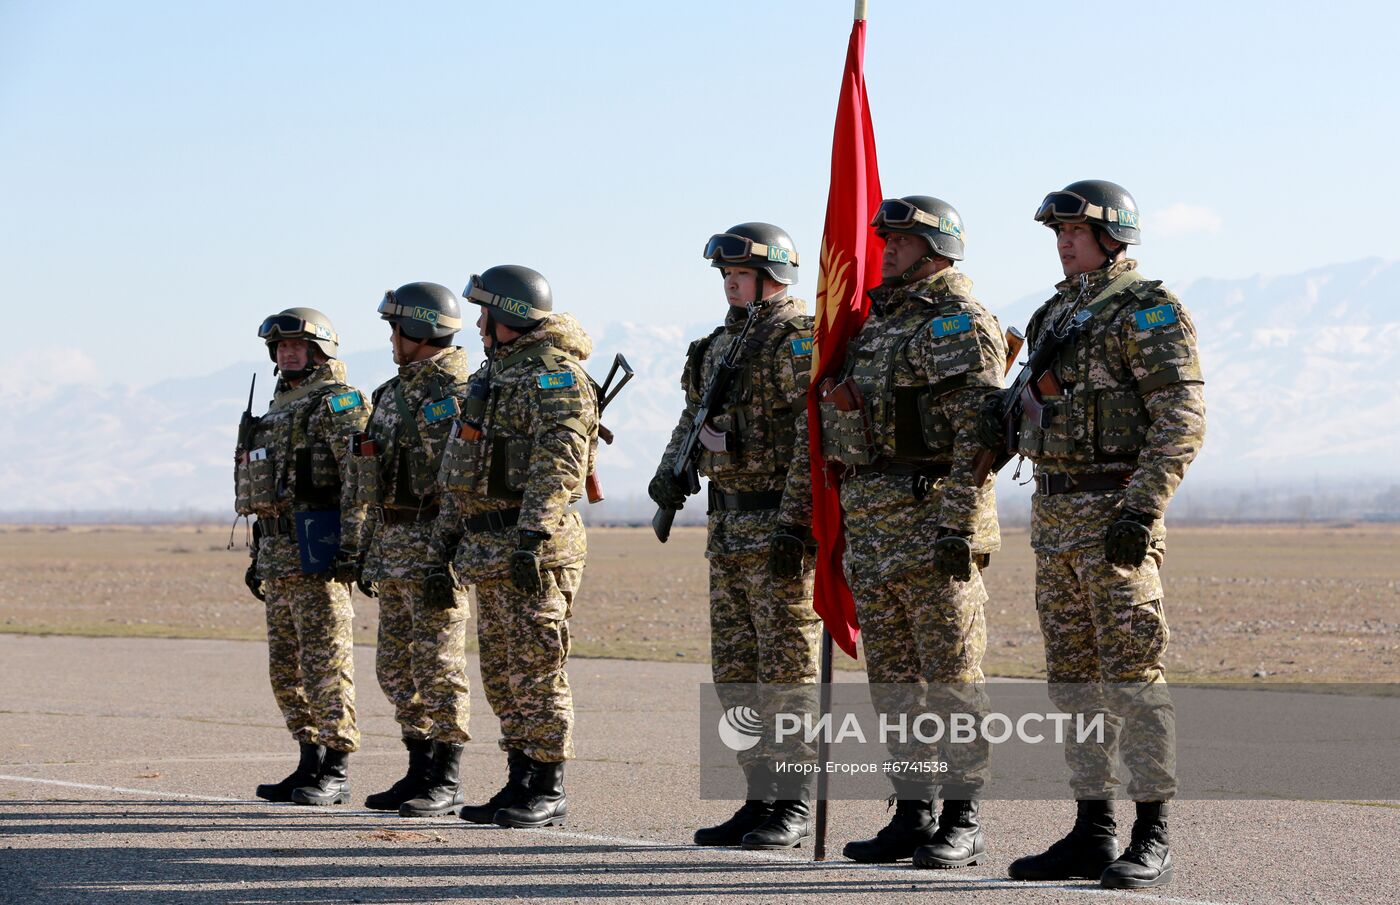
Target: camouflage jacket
<point x="301" y="444"/>
<point x="1133" y="400"/>
<point x="538" y="439"/>
<point x="765" y="414"/>
<point x="404" y="474"/>
<point x="924" y="359"/>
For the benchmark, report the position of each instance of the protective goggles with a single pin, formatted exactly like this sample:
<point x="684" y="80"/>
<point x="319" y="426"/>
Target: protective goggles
<point x="289" y="326"/>
<point x="475" y="292"/>
<point x="1071" y="207"/>
<point x="391" y="307"/>
<point x="897" y="213"/>
<point x="729" y="248"/>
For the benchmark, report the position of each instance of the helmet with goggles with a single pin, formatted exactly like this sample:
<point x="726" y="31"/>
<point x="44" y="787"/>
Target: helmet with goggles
<point x="761" y="246"/>
<point x="1097" y="202"/>
<point x="518" y="297"/>
<point x="422" y="311"/>
<point x="300" y="323"/>
<point x="937" y="221"/>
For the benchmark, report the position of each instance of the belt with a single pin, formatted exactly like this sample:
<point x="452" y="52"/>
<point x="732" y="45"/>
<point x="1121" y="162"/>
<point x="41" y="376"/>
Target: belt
<point x="408" y="516"/>
<point x="276" y="526"/>
<point x="497" y="520"/>
<point x="930" y="470"/>
<point x="756" y="501"/>
<point x="1051" y="484"/>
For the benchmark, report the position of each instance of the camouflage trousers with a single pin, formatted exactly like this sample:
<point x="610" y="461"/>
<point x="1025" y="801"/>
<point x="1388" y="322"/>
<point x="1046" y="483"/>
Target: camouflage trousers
<point x="1105" y="636"/>
<point x="524" y="643"/>
<point x="421" y="662"/>
<point x="310" y="657"/>
<point x="763" y="630"/>
<point x="923" y="635"/>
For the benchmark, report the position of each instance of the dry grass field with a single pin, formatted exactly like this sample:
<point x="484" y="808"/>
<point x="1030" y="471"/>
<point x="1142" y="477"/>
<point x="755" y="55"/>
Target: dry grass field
<point x="1253" y="603"/>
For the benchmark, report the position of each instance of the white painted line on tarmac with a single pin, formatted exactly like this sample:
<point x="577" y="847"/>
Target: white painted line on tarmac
<point x="121" y="789"/>
<point x="797" y="863"/>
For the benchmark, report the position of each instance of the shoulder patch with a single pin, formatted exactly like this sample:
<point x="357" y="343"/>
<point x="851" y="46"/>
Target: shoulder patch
<point x="802" y="346"/>
<point x="344" y="402"/>
<point x="952" y="325"/>
<point x="556" y="380"/>
<point x="1152" y="318"/>
<point x="441" y="410"/>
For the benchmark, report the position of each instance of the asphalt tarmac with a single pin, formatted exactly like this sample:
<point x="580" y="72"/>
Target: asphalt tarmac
<point x="127" y="768"/>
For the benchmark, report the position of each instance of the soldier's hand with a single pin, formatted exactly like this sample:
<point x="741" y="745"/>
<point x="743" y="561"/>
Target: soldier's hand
<point x="366" y="587"/>
<point x="525" y="562"/>
<point x="250" y="578"/>
<point x="990" y="429"/>
<point x="1127" y="539"/>
<point x="664" y="492"/>
<point x="952" y="554"/>
<point x="786" y="550"/>
<point x="438" y="590"/>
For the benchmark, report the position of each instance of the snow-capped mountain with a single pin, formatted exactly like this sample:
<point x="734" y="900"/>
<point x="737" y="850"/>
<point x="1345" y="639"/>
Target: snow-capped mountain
<point x="1300" y="369"/>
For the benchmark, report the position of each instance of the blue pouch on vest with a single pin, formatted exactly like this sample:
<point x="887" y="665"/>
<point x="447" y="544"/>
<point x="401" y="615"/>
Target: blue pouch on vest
<point x="318" y="539"/>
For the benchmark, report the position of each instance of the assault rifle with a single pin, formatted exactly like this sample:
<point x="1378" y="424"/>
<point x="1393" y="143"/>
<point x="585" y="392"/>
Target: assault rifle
<point x="700" y="435"/>
<point x="1025" y="397"/>
<point x="606" y="394"/>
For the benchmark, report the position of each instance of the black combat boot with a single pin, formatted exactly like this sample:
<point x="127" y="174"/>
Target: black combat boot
<point x="757" y="809"/>
<point x="1090" y="847"/>
<point x="544" y="803"/>
<point x="444" y="792"/>
<point x="413" y="783"/>
<point x="786" y="827"/>
<point x="511" y="794"/>
<point x="958" y="839"/>
<point x="1148" y="861"/>
<point x="332" y="785"/>
<point x="911" y="826"/>
<point x="303" y="775"/>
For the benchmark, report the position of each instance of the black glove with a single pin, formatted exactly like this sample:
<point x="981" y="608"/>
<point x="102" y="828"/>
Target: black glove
<point x="525" y="562"/>
<point x="664" y="492"/>
<point x="1127" y="539"/>
<point x="346" y="567"/>
<point x="786" y="549"/>
<point x="952" y="554"/>
<point x="990" y="429"/>
<point x="438" y="590"/>
<point x="250" y="578"/>
<point x="367" y="588"/>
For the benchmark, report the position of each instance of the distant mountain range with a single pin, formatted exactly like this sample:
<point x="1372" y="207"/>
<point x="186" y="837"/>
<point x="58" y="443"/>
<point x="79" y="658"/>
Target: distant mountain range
<point x="1300" y="369"/>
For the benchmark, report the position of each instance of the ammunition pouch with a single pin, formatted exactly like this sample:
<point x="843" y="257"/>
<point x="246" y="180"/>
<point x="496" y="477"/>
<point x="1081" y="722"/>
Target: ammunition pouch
<point x="262" y="482"/>
<point x="369" y="484"/>
<point x="509" y="468"/>
<point x="242" y="484"/>
<point x="462" y="459"/>
<point x="845" y="424"/>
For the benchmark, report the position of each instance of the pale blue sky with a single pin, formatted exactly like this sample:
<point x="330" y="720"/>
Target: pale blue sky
<point x="176" y="171"/>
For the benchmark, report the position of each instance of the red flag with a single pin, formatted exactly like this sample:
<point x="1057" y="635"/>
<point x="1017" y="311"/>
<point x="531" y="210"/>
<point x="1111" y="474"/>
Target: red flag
<point x="850" y="265"/>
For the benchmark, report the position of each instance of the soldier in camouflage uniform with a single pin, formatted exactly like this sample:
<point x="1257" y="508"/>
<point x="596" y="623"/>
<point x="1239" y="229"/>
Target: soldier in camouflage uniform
<point x="421" y="660"/>
<point x="902" y="424"/>
<point x="1124" y="417"/>
<point x="762" y="625"/>
<point x="292" y="463"/>
<point x="517" y="460"/>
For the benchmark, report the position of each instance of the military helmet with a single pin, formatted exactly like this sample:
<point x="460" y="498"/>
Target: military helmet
<point x="923" y="215"/>
<point x="300" y="323"/>
<point x="1104" y="204"/>
<point x="422" y="311"/>
<point x="518" y="297"/>
<point x="761" y="246"/>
